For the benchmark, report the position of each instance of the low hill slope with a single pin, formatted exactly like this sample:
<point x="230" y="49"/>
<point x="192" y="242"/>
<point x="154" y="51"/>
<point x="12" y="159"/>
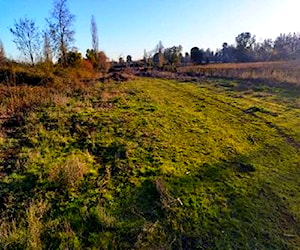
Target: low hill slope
<point x="153" y="164"/>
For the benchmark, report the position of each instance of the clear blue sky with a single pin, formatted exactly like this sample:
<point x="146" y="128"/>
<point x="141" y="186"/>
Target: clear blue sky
<point x="130" y="26"/>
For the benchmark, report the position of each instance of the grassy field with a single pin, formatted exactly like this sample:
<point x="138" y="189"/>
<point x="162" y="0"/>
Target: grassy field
<point x="150" y="164"/>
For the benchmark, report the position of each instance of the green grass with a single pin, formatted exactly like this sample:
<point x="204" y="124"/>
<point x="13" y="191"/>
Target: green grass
<point x="154" y="164"/>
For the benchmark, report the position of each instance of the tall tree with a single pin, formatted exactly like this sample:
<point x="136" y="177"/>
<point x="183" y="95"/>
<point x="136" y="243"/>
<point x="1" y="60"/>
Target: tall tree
<point x="173" y="55"/>
<point x="186" y="59"/>
<point x="61" y="29"/>
<point x="208" y="55"/>
<point x="196" y="55"/>
<point x="244" y="45"/>
<point x="264" y="51"/>
<point x="47" y="47"/>
<point x="94" y="33"/>
<point x="27" y="38"/>
<point x="228" y="53"/>
<point x="287" y="47"/>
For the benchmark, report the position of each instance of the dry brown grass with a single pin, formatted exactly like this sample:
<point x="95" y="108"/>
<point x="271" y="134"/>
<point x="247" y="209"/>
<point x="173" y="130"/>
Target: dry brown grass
<point x="59" y="100"/>
<point x="17" y="99"/>
<point x="106" y="96"/>
<point x="35" y="214"/>
<point x="70" y="173"/>
<point x="22" y="98"/>
<point x="9" y="233"/>
<point x="30" y="236"/>
<point x="283" y="71"/>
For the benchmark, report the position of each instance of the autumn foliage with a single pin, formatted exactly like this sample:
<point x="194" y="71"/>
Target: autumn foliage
<point x="98" y="60"/>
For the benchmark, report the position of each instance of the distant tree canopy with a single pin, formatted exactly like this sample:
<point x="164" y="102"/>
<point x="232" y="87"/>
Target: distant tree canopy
<point x="264" y="51"/>
<point x="246" y="49"/>
<point x="244" y="46"/>
<point x="172" y="56"/>
<point x="158" y="60"/>
<point x="227" y="53"/>
<point x="287" y="46"/>
<point x="58" y="39"/>
<point x="164" y="56"/>
<point x="196" y="55"/>
<point x="129" y="59"/>
<point x="186" y="59"/>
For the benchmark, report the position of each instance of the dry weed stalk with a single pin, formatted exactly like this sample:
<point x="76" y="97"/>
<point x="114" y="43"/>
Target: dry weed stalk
<point x="35" y="214"/>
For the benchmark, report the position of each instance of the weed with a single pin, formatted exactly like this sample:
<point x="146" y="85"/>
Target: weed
<point x="68" y="173"/>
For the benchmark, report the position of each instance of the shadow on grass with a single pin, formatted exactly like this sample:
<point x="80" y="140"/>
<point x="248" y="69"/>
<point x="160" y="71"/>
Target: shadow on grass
<point x="220" y="205"/>
<point x="260" y="87"/>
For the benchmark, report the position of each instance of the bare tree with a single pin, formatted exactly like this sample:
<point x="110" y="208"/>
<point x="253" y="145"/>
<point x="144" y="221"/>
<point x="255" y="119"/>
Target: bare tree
<point x="27" y="38"/>
<point x="94" y="33"/>
<point x="47" y="47"/>
<point x="61" y="29"/>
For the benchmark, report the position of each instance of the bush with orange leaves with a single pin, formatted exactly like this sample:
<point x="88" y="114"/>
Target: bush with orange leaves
<point x="98" y="60"/>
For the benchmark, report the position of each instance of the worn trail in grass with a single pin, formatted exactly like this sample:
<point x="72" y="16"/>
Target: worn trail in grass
<point x="155" y="164"/>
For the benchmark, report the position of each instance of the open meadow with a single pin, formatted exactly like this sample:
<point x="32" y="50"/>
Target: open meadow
<point x="150" y="164"/>
<point x="269" y="72"/>
<point x="125" y="141"/>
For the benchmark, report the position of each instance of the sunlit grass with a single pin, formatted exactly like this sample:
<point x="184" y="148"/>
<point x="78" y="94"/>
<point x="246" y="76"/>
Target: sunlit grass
<point x="152" y="163"/>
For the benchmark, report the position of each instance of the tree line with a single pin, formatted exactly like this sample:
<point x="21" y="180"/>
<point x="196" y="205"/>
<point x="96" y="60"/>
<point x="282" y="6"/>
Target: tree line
<point x="245" y="49"/>
<point x="56" y="41"/>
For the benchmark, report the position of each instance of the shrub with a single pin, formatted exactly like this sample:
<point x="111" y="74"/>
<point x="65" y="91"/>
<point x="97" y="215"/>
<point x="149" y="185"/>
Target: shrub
<point x="99" y="62"/>
<point x="23" y="75"/>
